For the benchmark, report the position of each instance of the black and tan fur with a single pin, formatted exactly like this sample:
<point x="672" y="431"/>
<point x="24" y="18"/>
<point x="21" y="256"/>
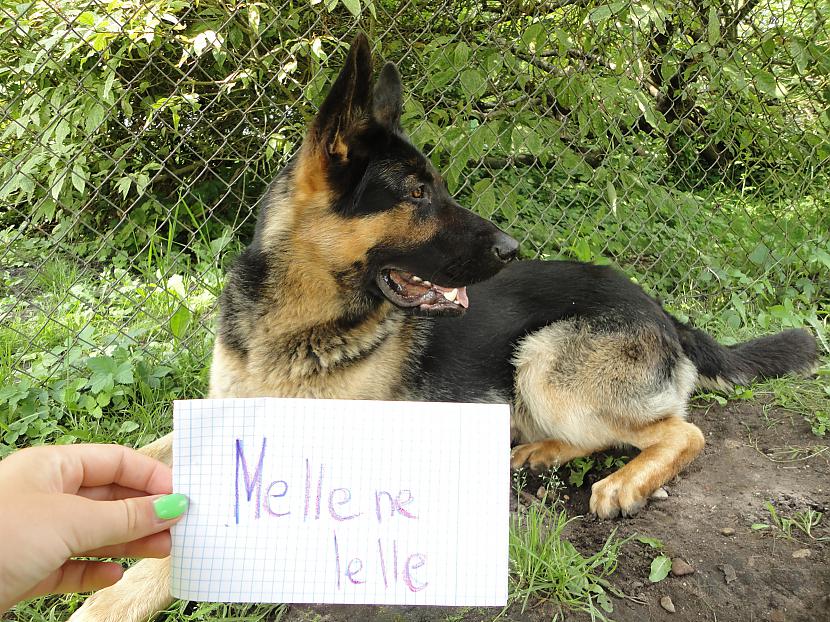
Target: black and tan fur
<point x="586" y="358"/>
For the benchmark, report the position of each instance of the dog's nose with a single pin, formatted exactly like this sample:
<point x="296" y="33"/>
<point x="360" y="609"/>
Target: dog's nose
<point x="505" y="247"/>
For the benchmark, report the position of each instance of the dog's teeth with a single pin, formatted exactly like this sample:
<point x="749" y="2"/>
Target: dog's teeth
<point x="451" y="295"/>
<point x="415" y="278"/>
<point x="427" y="283"/>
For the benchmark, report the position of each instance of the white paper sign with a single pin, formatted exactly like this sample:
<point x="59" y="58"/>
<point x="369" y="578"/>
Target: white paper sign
<point x="335" y="501"/>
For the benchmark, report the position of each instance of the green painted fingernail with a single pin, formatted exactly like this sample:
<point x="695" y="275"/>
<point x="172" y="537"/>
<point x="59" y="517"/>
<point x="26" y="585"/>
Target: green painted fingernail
<point x="171" y="506"/>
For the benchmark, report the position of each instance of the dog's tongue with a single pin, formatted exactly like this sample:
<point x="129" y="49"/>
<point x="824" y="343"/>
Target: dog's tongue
<point x="455" y="294"/>
<point x="419" y="292"/>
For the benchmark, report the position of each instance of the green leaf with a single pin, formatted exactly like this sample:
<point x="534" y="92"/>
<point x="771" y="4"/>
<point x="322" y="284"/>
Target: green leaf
<point x="652" y="542"/>
<point x="79" y="177"/>
<point x="103" y="370"/>
<point x="669" y="67"/>
<point x="95" y="114"/>
<point x="582" y="250"/>
<point x="646" y="107"/>
<point x="179" y="322"/>
<point x="101" y="365"/>
<point x="714" y="26"/>
<point x="602" y="13"/>
<point x="124" y="373"/>
<point x="534" y="37"/>
<point x="473" y="83"/>
<point x="759" y="255"/>
<point x="821" y="256"/>
<point x="611" y="195"/>
<point x="767" y="84"/>
<point x="579" y="469"/>
<point x="759" y="526"/>
<point x="62" y="131"/>
<point x="604" y="602"/>
<point x="123" y="186"/>
<point x="127" y="427"/>
<point x="461" y="55"/>
<point x="353" y="6"/>
<point x="660" y="567"/>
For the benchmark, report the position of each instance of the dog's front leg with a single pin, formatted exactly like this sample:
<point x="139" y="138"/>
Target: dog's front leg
<point x="667" y="446"/>
<point x="144" y="590"/>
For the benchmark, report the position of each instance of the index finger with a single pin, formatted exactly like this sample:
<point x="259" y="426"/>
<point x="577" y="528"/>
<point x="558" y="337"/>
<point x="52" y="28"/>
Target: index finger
<point x="101" y="465"/>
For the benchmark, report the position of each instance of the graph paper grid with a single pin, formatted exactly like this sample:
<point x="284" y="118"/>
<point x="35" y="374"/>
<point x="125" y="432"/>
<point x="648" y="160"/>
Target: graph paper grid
<point x="334" y="501"/>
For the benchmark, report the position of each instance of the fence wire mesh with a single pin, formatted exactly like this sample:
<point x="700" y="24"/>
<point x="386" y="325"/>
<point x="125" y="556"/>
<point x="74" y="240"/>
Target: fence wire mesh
<point x="686" y="142"/>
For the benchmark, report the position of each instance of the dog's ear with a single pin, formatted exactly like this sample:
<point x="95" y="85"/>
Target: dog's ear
<point x="388" y="98"/>
<point x="348" y="104"/>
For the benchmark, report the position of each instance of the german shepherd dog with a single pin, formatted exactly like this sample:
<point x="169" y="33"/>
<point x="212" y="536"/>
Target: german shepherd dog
<point x="366" y="280"/>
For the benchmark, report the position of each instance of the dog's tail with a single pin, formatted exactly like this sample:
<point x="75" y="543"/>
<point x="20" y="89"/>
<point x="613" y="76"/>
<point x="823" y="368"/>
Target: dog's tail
<point x="719" y="366"/>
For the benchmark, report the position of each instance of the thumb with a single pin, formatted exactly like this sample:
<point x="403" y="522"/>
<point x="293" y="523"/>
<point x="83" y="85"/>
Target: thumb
<point x="125" y="520"/>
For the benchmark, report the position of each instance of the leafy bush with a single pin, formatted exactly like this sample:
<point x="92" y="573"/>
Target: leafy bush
<point x="130" y="119"/>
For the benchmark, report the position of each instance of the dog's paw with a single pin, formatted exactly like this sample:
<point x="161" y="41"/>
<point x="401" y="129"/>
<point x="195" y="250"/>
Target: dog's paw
<point x="538" y="456"/>
<point x="617" y="495"/>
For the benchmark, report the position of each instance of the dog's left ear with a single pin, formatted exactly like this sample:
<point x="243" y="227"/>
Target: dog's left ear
<point x="388" y="98"/>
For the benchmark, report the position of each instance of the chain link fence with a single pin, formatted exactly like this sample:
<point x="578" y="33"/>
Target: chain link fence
<point x="686" y="142"/>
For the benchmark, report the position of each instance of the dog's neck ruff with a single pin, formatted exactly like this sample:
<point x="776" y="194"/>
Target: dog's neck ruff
<point x="327" y="348"/>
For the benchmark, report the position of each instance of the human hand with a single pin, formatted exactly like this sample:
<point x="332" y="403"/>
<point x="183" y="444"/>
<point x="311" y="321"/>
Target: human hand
<point x="67" y="501"/>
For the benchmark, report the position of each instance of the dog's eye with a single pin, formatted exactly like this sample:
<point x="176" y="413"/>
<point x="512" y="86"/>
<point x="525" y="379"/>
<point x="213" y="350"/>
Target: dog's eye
<point x="418" y="193"/>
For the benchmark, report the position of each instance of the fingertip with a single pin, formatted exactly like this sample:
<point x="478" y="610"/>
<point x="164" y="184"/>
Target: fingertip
<point x="170" y="506"/>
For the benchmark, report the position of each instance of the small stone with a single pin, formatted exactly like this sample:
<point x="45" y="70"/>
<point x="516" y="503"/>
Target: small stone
<point x="636" y="585"/>
<point x="660" y="493"/>
<point x="727" y="531"/>
<point x="667" y="604"/>
<point x="679" y="568"/>
<point x="729" y="573"/>
<point x="801" y="553"/>
<point x="541" y="493"/>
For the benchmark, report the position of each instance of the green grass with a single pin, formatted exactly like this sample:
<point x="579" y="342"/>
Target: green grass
<point x="803" y="523"/>
<point x="96" y="356"/>
<point x="57" y="609"/>
<point x="545" y="565"/>
<point x="96" y="351"/>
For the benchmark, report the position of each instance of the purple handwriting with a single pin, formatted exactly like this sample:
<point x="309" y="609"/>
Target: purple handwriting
<point x="317" y="497"/>
<point x="323" y="500"/>
<point x="406" y="571"/>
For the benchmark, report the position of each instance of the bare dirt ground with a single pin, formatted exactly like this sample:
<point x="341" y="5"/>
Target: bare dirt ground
<point x="753" y="455"/>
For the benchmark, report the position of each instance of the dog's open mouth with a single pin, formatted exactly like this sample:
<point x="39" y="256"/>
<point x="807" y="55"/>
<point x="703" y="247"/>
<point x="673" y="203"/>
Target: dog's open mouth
<point x="409" y="291"/>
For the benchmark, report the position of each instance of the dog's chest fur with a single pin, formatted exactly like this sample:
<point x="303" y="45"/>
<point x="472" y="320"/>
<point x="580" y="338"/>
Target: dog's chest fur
<point x="374" y="359"/>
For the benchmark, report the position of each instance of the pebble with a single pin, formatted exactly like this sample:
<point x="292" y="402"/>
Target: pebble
<point x="801" y="553"/>
<point x="727" y="531"/>
<point x="636" y="585"/>
<point x="679" y="568"/>
<point x="540" y="494"/>
<point x="729" y="573"/>
<point x="667" y="604"/>
<point x="660" y="493"/>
